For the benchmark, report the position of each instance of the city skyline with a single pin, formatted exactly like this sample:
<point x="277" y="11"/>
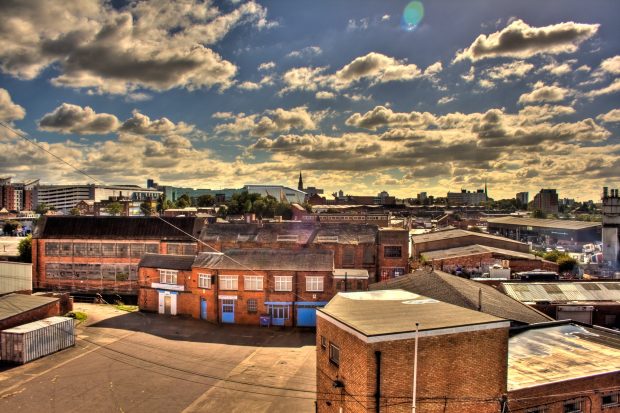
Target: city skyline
<point x="431" y="97"/>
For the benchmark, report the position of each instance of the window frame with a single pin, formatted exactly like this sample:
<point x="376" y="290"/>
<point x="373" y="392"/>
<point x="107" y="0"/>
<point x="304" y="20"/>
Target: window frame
<point x="348" y="257"/>
<point x="334" y="359"/>
<point x="228" y="282"/>
<point x="315" y="284"/>
<point x="253" y="283"/>
<point x="578" y="402"/>
<point x="614" y="403"/>
<point x="323" y="342"/>
<point x="283" y="283"/>
<point x="252" y="305"/>
<point x="387" y="248"/>
<point x="201" y="277"/>
<point x="167" y="276"/>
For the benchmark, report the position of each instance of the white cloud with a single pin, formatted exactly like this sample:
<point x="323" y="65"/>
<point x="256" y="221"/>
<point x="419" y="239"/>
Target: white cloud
<point x="611" y="65"/>
<point x="324" y="95"/>
<point x="614" y="87"/>
<point x="68" y="118"/>
<point x="445" y="99"/>
<point x="8" y="109"/>
<point x="613" y="116"/>
<point x="361" y="24"/>
<point x="520" y="40"/>
<point x="542" y="93"/>
<point x="385" y="17"/>
<point x="266" y="66"/>
<point x="272" y="121"/>
<point x="306" y="52"/>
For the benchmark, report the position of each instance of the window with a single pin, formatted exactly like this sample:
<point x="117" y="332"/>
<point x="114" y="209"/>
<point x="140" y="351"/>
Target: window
<point x="573" y="406"/>
<point x="66" y="249"/>
<point x="279" y="312"/>
<point x="252" y="282"/>
<point x="122" y="273"/>
<point x="168" y="276"/>
<point x="137" y="250"/>
<point x="108" y="271"/>
<point x="537" y="409"/>
<point x="287" y="238"/>
<point x="181" y="249"/>
<point x="108" y="250"/>
<point x="152" y="248"/>
<point x="52" y="270"/>
<point x="65" y="270"/>
<point x="348" y="257"/>
<point x="204" y="280"/>
<point x="229" y="282"/>
<point x="323" y="342"/>
<point x="94" y="249"/>
<point x="252" y="305"/>
<point x="284" y="283"/>
<point x="52" y="248"/>
<point x="369" y="254"/>
<point x="314" y="283"/>
<point x="122" y="250"/>
<point x="610" y="400"/>
<point x="80" y="249"/>
<point x="392" y="251"/>
<point x="334" y="354"/>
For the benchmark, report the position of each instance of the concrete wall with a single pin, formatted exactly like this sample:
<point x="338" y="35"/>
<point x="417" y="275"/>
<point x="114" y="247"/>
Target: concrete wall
<point x="47" y="310"/>
<point x="15" y="276"/>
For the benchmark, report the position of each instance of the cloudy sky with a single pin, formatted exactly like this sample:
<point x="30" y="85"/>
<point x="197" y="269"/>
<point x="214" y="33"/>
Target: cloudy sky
<point x="362" y="96"/>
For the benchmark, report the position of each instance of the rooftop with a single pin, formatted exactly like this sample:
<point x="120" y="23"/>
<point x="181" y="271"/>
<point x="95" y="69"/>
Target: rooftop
<point x="170" y="262"/>
<point x="464" y="293"/>
<point x="85" y="227"/>
<point x="474" y="250"/>
<point x="14" y="304"/>
<point x="455" y="233"/>
<point x="557" y="353"/>
<point x="383" y="312"/>
<point x="263" y="259"/>
<point x="544" y="223"/>
<point x="563" y="292"/>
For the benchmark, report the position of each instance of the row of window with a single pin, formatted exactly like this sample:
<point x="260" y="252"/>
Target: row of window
<point x="114" y="249"/>
<point x="334" y="351"/>
<point x="250" y="282"/>
<point x="608" y="401"/>
<point x="275" y="311"/>
<point x="106" y="272"/>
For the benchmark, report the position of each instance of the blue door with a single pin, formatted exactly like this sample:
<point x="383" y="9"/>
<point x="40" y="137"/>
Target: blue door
<point x="203" y="309"/>
<point x="228" y="311"/>
<point x="306" y="316"/>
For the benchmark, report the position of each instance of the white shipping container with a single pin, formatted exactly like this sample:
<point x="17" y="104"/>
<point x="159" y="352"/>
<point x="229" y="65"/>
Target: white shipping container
<point x="31" y="341"/>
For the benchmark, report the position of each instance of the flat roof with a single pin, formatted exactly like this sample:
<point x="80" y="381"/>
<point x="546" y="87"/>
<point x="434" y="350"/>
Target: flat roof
<point x="15" y="304"/>
<point x="557" y="353"/>
<point x="544" y="223"/>
<point x="384" y="312"/>
<point x="474" y="250"/>
<point x="455" y="233"/>
<point x="563" y="292"/>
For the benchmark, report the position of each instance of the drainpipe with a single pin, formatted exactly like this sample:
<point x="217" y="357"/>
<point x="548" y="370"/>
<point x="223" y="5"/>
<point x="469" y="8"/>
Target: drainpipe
<point x="216" y="294"/>
<point x="378" y="382"/>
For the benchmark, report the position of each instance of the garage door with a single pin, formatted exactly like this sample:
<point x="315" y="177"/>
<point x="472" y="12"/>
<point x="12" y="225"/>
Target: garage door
<point x="306" y="316"/>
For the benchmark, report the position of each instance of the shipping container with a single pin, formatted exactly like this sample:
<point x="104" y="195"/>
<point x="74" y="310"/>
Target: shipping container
<point x="31" y="341"/>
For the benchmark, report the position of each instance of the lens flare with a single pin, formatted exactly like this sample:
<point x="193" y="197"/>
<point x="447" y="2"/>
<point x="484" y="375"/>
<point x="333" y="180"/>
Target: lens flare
<point x="412" y="15"/>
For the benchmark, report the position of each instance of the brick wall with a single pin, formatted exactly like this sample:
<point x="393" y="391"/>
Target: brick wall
<point x="553" y="396"/>
<point x="47" y="310"/>
<point x="453" y="370"/>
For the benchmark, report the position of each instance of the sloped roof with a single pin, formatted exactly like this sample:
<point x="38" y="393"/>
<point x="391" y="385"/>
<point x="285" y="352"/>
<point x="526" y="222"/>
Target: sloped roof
<point x="563" y="292"/>
<point x="14" y="304"/>
<point x="267" y="259"/>
<point x="456" y="233"/>
<point x="474" y="250"/>
<point x="381" y="312"/>
<point x="164" y="228"/>
<point x="560" y="352"/>
<point x="544" y="223"/>
<point x="291" y="232"/>
<point x="464" y="293"/>
<point x="166" y="261"/>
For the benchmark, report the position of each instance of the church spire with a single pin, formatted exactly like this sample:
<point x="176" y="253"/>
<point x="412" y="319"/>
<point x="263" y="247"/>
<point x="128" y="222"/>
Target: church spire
<point x="300" y="185"/>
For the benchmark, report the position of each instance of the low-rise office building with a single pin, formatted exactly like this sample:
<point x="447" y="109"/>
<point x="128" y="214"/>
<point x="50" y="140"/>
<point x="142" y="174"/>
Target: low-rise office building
<point x="101" y="254"/>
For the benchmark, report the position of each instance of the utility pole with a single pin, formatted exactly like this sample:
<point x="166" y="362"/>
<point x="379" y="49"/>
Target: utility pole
<point x="415" y="369"/>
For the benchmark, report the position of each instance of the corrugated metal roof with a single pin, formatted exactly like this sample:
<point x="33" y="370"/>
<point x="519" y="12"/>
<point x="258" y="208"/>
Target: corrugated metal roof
<point x="36" y="325"/>
<point x="563" y="291"/>
<point x="381" y="312"/>
<point x="544" y="223"/>
<point x="559" y="353"/>
<point x="267" y="259"/>
<point x="170" y="262"/>
<point x="464" y="293"/>
<point x="118" y="227"/>
<point x="457" y="233"/>
<point x="14" y="304"/>
<point x="474" y="250"/>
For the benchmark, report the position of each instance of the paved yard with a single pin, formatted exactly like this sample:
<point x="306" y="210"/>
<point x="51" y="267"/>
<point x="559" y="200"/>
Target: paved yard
<point x="134" y="362"/>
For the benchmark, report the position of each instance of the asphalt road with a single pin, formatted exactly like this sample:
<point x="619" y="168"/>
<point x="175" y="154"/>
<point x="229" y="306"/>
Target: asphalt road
<point x="134" y="362"/>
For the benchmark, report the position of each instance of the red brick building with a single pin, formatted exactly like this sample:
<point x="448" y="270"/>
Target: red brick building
<point x="101" y="254"/>
<point x="18" y="309"/>
<point x="467" y="361"/>
<point x="240" y="286"/>
<point x="366" y="351"/>
<point x="355" y="246"/>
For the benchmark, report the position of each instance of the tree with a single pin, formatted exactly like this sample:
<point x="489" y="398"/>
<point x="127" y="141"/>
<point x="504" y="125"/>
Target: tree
<point x="168" y="204"/>
<point x="42" y="208"/>
<point x="537" y="213"/>
<point x="222" y="212"/>
<point x="75" y="211"/>
<point x="10" y="227"/>
<point x="25" y="249"/>
<point x="184" y="201"/>
<point x="161" y="203"/>
<point x="553" y="255"/>
<point x="566" y="263"/>
<point x="206" y="200"/>
<point x="114" y="208"/>
<point x="146" y="208"/>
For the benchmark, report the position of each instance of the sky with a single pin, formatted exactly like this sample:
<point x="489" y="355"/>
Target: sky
<point x="362" y="96"/>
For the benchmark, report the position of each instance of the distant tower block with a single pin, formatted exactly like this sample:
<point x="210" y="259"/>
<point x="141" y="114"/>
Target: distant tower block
<point x="611" y="227"/>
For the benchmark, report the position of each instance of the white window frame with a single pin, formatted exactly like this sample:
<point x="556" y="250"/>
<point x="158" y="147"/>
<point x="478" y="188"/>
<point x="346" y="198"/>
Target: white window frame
<point x="314" y="284"/>
<point x="253" y="282"/>
<point x="168" y="276"/>
<point x="615" y="402"/>
<point x="283" y="283"/>
<point x="204" y="280"/>
<point x="334" y="356"/>
<point x="229" y="282"/>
